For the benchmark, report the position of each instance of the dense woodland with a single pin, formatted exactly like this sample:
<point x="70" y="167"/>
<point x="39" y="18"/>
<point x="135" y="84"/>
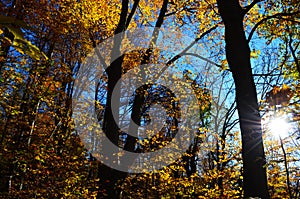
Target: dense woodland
<point x="252" y="72"/>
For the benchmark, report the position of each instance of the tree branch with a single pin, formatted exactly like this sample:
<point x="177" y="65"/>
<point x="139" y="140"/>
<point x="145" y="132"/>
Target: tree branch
<point x="277" y="15"/>
<point x="203" y="58"/>
<point x="293" y="52"/>
<point x="246" y="9"/>
<point x="286" y="169"/>
<point x="176" y="57"/>
<point x="134" y="7"/>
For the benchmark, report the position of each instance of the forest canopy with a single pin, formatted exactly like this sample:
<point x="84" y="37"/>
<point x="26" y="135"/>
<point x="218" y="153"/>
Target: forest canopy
<point x="220" y="75"/>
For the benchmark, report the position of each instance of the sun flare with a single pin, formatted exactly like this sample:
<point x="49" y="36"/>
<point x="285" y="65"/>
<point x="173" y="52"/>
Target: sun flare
<point x="279" y="127"/>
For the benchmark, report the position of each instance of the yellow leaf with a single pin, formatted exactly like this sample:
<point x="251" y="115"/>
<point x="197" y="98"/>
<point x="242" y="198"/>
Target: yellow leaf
<point x="37" y="157"/>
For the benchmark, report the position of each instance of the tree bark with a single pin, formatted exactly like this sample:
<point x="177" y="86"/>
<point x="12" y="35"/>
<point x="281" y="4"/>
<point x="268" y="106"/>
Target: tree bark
<point x="139" y="98"/>
<point x="238" y="57"/>
<point x="109" y="176"/>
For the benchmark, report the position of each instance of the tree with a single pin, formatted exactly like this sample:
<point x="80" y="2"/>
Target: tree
<point x="43" y="46"/>
<point x="38" y="142"/>
<point x="238" y="57"/>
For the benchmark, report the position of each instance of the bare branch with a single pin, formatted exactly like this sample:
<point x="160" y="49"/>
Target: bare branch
<point x="286" y="169"/>
<point x="134" y="7"/>
<point x="176" y="57"/>
<point x="204" y="58"/>
<point x="293" y="52"/>
<point x="267" y="74"/>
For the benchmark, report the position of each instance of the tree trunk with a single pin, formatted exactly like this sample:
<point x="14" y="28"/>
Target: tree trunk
<point x="238" y="57"/>
<point x="109" y="176"/>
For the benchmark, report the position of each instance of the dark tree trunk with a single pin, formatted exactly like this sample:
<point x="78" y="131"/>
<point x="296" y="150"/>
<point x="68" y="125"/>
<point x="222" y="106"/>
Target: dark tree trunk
<point x="140" y="95"/>
<point x="109" y="176"/>
<point x="238" y="57"/>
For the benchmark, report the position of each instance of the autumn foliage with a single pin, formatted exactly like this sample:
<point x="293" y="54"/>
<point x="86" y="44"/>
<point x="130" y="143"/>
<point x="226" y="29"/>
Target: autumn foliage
<point x="43" y="44"/>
